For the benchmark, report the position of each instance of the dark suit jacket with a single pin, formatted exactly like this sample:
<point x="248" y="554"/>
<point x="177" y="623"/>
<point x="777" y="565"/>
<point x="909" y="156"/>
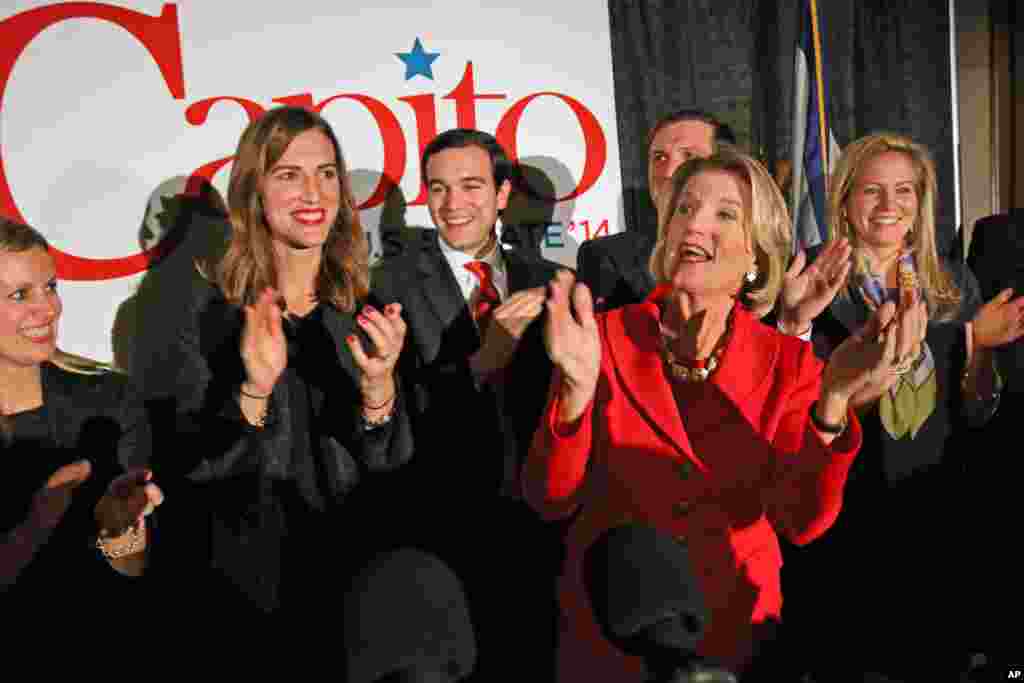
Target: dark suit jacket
<point x="997" y="257"/>
<point x="449" y="410"/>
<point x="615" y="268"/>
<point x="470" y="439"/>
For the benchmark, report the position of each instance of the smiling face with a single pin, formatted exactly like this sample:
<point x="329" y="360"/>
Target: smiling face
<point x="708" y="249"/>
<point x="882" y="205"/>
<point x="301" y="193"/>
<point x="30" y="308"/>
<point x="672" y="146"/>
<point x="464" y="202"/>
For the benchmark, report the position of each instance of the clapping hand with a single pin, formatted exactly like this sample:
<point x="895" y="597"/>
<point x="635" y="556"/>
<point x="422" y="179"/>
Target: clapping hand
<point x="264" y="348"/>
<point x="1000" y="321"/>
<point x="53" y="499"/>
<point x="806" y="292"/>
<point x="508" y="324"/>
<point x="129" y="499"/>
<point x="573" y="342"/>
<point x="387" y="332"/>
<point x="864" y="358"/>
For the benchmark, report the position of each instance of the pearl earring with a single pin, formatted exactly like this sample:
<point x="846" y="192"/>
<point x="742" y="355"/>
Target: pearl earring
<point x="751" y="276"/>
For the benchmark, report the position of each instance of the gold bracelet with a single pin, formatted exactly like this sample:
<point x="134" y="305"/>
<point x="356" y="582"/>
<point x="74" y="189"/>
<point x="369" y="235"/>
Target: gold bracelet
<point x="136" y="542"/>
<point x="390" y="398"/>
<point x="243" y="392"/>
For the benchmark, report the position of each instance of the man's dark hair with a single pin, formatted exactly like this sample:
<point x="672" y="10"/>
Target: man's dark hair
<point x="502" y="167"/>
<point x="722" y="134"/>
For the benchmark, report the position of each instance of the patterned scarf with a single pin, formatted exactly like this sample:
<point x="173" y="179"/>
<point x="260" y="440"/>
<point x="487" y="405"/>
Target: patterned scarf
<point x="906" y="406"/>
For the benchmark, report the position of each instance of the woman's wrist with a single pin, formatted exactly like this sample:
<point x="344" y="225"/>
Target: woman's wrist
<point x="793" y="327"/>
<point x="257" y="392"/>
<point x="379" y="392"/>
<point x="573" y="399"/>
<point x="831" y="407"/>
<point x="116" y="545"/>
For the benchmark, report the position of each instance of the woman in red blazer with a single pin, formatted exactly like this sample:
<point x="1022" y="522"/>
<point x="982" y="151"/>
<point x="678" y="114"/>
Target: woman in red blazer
<point x="686" y="413"/>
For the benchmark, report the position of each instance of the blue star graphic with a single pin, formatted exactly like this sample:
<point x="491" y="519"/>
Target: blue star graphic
<point x="417" y="62"/>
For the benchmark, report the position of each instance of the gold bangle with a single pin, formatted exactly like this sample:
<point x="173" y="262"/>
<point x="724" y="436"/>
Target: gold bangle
<point x="367" y="406"/>
<point x="243" y="392"/>
<point x="136" y="542"/>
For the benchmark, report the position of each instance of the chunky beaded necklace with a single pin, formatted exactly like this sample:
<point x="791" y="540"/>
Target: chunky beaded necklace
<point x="689" y="370"/>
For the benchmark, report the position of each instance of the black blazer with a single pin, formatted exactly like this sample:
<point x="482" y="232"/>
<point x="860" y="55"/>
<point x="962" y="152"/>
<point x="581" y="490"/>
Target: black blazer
<point x="997" y="256"/>
<point x="245" y="492"/>
<point x="470" y="442"/>
<point x="449" y="410"/>
<point x="615" y="268"/>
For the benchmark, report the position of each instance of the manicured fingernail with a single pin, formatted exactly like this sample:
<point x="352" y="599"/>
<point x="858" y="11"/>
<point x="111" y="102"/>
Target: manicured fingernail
<point x="362" y="320"/>
<point x="351" y="339"/>
<point x="369" y="309"/>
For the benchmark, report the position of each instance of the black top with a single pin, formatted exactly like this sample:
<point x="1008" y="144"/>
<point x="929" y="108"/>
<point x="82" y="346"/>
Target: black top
<point x="68" y="588"/>
<point x="881" y="585"/>
<point x="275" y="515"/>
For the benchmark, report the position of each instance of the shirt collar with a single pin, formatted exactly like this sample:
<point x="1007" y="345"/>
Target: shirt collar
<point x="458" y="260"/>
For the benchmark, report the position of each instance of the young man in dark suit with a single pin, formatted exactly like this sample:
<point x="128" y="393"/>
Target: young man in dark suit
<point x="477" y="376"/>
<point x="615" y="267"/>
<point x="991" y="457"/>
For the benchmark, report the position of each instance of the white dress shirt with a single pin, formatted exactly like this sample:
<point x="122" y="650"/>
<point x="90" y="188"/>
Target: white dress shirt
<point x="468" y="283"/>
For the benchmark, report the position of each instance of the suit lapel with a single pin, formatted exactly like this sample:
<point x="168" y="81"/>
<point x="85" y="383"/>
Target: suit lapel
<point x="749" y="356"/>
<point x="520" y="273"/>
<point x="445" y="326"/>
<point x="641" y="279"/>
<point x="439" y="286"/>
<point x="634" y="349"/>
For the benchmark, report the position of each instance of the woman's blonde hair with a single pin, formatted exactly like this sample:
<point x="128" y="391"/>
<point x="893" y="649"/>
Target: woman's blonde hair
<point x="248" y="267"/>
<point x="17" y="238"/>
<point x="766" y="222"/>
<point x="940" y="291"/>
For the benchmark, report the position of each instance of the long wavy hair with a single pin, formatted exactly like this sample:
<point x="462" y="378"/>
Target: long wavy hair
<point x="766" y="222"/>
<point x="940" y="291"/>
<point x="17" y="238"/>
<point x="248" y="267"/>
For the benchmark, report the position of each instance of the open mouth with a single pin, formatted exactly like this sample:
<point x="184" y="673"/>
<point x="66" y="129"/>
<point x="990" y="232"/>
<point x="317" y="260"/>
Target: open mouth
<point x="693" y="253"/>
<point x="458" y="222"/>
<point x="310" y="216"/>
<point x="888" y="220"/>
<point x="39" y="335"/>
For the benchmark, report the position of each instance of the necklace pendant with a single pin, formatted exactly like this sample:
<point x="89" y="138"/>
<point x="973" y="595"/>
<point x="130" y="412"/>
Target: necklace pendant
<point x="699" y="374"/>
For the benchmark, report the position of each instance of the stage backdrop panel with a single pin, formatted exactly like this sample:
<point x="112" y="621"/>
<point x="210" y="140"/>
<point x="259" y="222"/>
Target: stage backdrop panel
<point x="107" y="111"/>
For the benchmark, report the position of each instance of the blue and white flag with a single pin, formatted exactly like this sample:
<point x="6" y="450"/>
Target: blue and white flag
<point x="814" y="147"/>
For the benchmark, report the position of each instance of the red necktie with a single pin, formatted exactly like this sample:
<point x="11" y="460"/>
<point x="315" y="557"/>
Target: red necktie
<point x="487" y="297"/>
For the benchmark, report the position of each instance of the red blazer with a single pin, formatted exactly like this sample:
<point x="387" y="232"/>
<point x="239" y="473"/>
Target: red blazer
<point x="740" y="465"/>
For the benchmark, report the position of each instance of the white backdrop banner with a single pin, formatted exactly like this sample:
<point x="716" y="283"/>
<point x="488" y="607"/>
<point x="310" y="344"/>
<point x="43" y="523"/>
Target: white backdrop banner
<point x="107" y="110"/>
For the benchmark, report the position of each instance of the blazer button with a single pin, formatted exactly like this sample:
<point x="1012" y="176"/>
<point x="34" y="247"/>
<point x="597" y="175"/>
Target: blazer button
<point x="681" y="509"/>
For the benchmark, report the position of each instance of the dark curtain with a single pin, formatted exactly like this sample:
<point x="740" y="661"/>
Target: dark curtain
<point x="887" y="68"/>
<point x="668" y="55"/>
